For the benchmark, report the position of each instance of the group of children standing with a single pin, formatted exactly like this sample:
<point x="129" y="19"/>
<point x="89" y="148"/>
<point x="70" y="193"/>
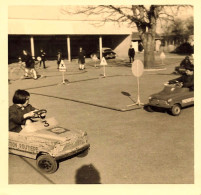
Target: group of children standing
<point x="30" y="63"/>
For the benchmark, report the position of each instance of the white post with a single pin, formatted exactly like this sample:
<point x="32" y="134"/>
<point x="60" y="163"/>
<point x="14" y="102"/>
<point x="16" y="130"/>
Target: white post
<point x="63" y="77"/>
<point x="68" y="48"/>
<point x="104" y="70"/>
<point x="100" y="47"/>
<point x="32" y="46"/>
<point x="138" y="85"/>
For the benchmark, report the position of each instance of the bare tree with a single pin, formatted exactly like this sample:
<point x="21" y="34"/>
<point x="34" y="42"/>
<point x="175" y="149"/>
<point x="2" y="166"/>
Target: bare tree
<point x="145" y="18"/>
<point x="181" y="29"/>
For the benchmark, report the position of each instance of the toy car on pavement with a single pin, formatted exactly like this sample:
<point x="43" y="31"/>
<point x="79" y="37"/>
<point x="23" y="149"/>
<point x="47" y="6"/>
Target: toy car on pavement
<point x="107" y="53"/>
<point x="47" y="143"/>
<point x="173" y="98"/>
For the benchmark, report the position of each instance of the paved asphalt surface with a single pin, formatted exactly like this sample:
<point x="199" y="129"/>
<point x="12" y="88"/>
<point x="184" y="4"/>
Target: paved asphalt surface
<point x="128" y="144"/>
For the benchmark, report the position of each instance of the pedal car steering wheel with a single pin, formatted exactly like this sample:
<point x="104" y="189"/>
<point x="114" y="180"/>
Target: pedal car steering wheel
<point x="39" y="113"/>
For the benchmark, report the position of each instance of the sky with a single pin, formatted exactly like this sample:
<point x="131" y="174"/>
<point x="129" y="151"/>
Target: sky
<point x="54" y="12"/>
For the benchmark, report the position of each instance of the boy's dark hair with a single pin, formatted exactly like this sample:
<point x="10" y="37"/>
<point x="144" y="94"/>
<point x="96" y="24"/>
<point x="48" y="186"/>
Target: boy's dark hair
<point x="20" y="96"/>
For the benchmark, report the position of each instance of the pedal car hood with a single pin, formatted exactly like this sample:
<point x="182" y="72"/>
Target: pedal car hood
<point x="58" y="141"/>
<point x="58" y="134"/>
<point x="170" y="92"/>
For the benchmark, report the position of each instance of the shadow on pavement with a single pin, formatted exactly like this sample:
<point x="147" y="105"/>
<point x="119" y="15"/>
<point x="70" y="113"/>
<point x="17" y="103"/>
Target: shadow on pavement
<point x="128" y="95"/>
<point x="87" y="174"/>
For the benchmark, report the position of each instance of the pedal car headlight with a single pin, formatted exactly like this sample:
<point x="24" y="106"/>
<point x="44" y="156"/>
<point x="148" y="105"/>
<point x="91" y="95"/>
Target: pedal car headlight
<point x="169" y="100"/>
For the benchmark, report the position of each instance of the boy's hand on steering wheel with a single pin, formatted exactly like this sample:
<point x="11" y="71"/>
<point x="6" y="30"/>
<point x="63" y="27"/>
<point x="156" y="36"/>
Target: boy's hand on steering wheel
<point x="40" y="113"/>
<point x="29" y="114"/>
<point x="43" y="115"/>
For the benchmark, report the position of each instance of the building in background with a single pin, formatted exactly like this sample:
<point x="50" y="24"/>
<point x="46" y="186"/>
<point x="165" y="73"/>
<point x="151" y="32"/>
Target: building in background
<point x="37" y="27"/>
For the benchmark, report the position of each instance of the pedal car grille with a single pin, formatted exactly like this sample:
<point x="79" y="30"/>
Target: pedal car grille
<point x="157" y="101"/>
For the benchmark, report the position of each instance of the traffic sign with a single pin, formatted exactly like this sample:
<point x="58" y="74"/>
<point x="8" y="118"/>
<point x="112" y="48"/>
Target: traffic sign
<point x="94" y="57"/>
<point x="162" y="56"/>
<point x="62" y="66"/>
<point x="103" y="61"/>
<point x="137" y="68"/>
<point x="39" y="58"/>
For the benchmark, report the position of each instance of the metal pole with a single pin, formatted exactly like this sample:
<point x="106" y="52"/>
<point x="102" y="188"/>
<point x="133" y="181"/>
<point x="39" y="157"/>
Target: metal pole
<point x="138" y="84"/>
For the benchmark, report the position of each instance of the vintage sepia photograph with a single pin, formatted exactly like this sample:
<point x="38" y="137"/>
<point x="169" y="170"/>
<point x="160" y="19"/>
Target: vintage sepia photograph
<point x="100" y="93"/>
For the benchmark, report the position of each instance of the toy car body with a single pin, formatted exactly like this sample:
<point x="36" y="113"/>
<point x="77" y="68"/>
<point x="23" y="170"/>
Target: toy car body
<point x="48" y="145"/>
<point x="172" y="98"/>
<point x="108" y="53"/>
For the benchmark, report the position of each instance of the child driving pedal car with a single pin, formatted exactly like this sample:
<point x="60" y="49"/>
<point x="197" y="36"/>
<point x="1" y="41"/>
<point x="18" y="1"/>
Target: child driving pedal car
<point x="21" y="113"/>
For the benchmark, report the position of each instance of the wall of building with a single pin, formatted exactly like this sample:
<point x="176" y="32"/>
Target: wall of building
<point x="51" y="44"/>
<point x="122" y="49"/>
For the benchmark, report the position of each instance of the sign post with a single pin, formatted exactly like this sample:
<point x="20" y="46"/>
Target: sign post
<point x="103" y="63"/>
<point x="94" y="58"/>
<point x="162" y="56"/>
<point x="62" y="68"/>
<point x="137" y="70"/>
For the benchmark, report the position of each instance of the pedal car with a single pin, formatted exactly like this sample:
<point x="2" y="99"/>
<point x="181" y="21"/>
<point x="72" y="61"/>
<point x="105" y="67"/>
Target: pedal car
<point x="47" y="142"/>
<point x="172" y="98"/>
<point x="179" y="70"/>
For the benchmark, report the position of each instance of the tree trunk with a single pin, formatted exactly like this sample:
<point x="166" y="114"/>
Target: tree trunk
<point x="149" y="46"/>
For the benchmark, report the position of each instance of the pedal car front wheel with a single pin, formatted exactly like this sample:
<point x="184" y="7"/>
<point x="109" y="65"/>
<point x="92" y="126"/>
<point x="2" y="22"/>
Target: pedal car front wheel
<point x="46" y="163"/>
<point x="176" y="110"/>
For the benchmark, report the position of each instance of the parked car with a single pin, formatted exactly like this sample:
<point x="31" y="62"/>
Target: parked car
<point x="107" y="53"/>
<point x="48" y="143"/>
<point x="172" y="98"/>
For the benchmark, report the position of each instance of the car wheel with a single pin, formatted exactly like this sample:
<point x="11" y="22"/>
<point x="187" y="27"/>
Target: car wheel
<point x="150" y="108"/>
<point x="46" y="163"/>
<point x="176" y="110"/>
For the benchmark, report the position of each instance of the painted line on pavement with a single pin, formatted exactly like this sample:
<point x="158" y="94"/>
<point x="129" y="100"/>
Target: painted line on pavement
<point x="88" y="103"/>
<point x="37" y="170"/>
